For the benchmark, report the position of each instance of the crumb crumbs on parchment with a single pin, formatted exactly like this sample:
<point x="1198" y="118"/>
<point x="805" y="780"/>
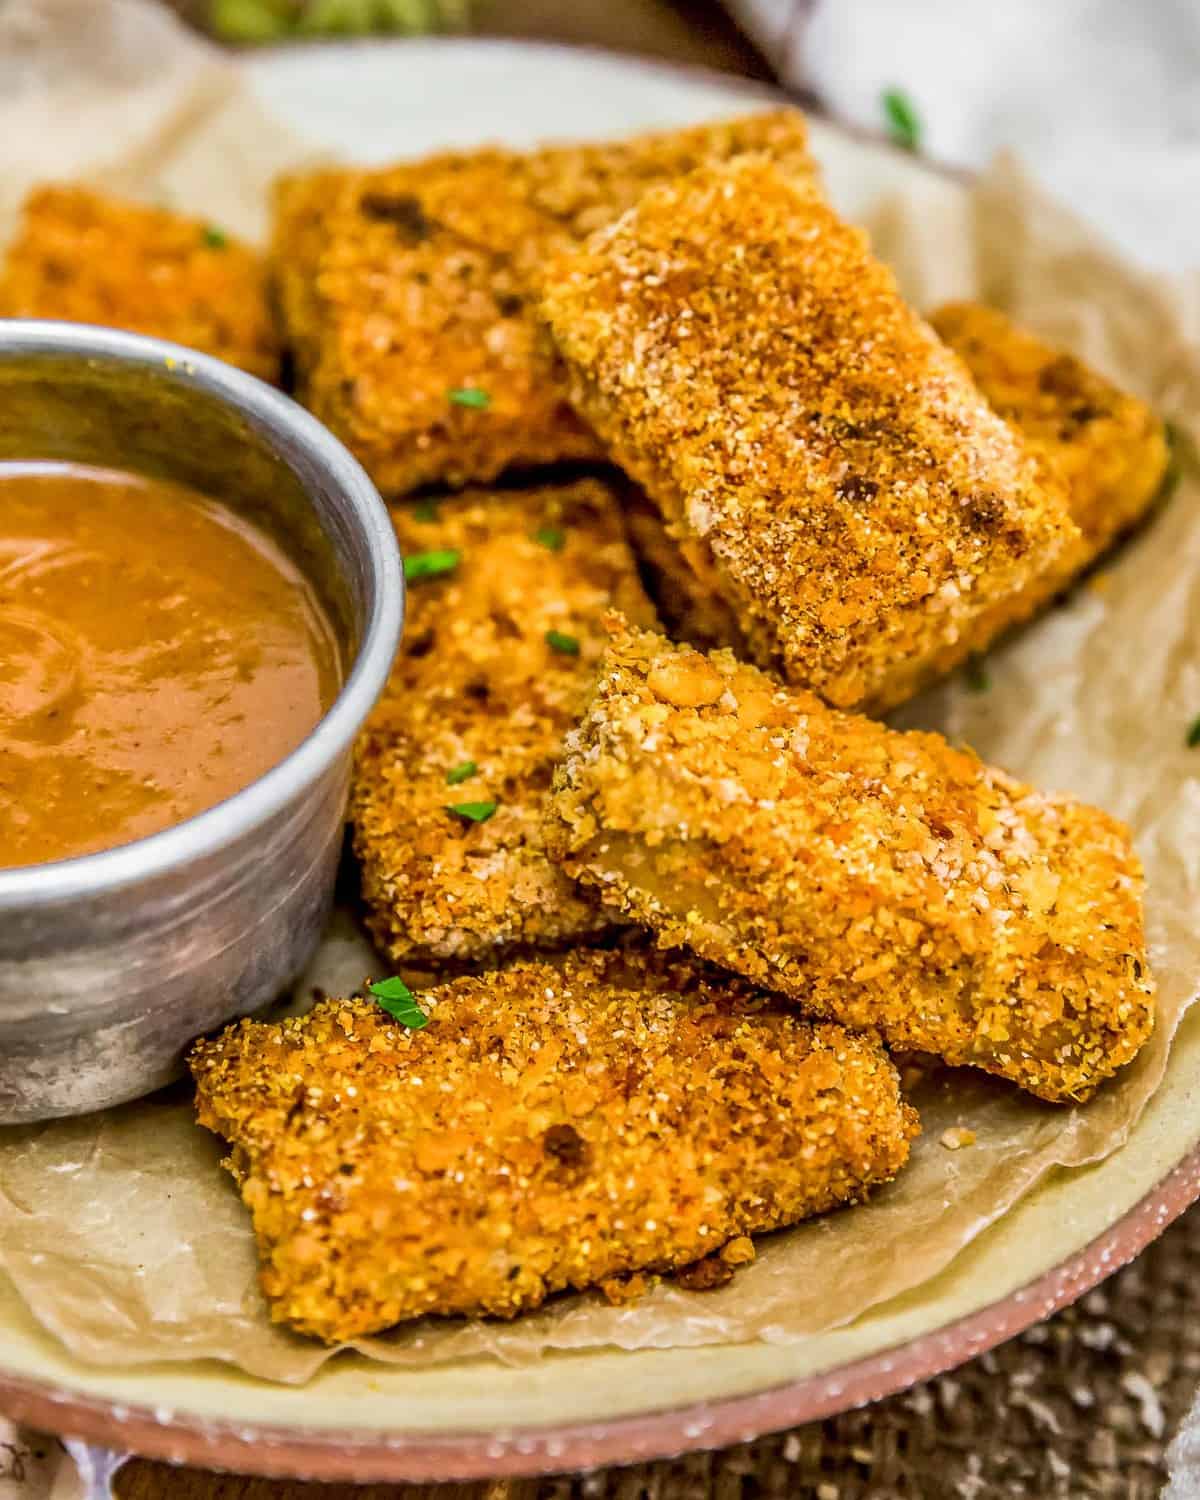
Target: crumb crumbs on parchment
<point x="739" y="1251"/>
<point x="957" y="1137"/>
<point x="718" y="1269"/>
<point x="619" y="1290"/>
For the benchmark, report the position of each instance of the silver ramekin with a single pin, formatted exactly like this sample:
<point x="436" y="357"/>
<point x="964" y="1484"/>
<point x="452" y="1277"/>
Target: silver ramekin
<point x="112" y="963"/>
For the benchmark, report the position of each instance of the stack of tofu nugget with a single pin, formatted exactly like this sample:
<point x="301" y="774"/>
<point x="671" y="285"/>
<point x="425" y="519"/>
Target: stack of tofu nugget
<point x="678" y="890"/>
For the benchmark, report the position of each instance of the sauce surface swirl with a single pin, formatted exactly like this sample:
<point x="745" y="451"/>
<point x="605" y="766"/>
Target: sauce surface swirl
<point x="158" y="653"/>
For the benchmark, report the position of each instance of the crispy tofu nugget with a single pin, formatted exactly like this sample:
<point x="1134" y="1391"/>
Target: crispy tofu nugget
<point x="89" y="258"/>
<point x="498" y="654"/>
<point x="1109" y="449"/>
<point x="549" y="1128"/>
<point x="406" y="292"/>
<point x="1106" y="446"/>
<point x="876" y="878"/>
<point x="751" y="364"/>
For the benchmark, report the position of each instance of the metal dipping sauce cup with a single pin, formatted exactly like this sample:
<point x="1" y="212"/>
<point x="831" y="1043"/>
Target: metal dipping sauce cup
<point x="111" y="963"/>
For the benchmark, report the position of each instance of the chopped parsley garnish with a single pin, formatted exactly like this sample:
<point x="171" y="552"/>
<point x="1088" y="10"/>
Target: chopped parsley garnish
<point x="396" y="998"/>
<point x="430" y="564"/>
<point x="470" y="395"/>
<point x="567" y="644"/>
<point x="474" y="812"/>
<point x="425" y="510"/>
<point x="1193" y="735"/>
<point x="976" y="674"/>
<point x="550" y="537"/>
<point x="904" y="124"/>
<point x="461" y="773"/>
<point x="214" y="238"/>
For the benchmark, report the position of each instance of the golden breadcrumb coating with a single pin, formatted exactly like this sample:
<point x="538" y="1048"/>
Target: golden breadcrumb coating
<point x="478" y="691"/>
<point x="878" y="879"/>
<point x="88" y="258"/>
<point x="551" y="1127"/>
<point x="301" y="205"/>
<point x="402" y="285"/>
<point x="752" y="365"/>
<point x="1107" y="447"/>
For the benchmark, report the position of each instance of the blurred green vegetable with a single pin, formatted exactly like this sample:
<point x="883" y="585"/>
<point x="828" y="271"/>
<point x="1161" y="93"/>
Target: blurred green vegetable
<point x="276" y="20"/>
<point x="904" y="124"/>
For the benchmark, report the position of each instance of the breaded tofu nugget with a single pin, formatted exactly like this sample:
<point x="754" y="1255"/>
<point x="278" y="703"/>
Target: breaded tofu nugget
<point x="1107" y="447"/>
<point x="550" y="1128"/>
<point x="89" y="258"/>
<point x="753" y="367"/>
<point x="879" y="879"/>
<point x="406" y="292"/>
<point x="498" y="652"/>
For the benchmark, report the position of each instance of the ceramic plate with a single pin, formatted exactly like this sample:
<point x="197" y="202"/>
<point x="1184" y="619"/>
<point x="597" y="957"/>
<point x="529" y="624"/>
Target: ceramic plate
<point x="367" y="1422"/>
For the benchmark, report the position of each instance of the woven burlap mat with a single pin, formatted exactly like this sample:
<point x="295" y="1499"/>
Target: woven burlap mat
<point x="1082" y="1405"/>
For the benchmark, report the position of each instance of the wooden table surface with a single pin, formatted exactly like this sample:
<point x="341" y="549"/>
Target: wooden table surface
<point x="689" y="31"/>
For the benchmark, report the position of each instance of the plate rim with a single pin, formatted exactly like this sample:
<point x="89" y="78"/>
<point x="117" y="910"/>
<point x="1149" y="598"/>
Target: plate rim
<point x="732" y="83"/>
<point x="340" y="1455"/>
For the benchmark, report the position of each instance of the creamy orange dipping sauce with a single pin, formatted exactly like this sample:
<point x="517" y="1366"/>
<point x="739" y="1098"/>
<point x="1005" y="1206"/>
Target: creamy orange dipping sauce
<point x="157" y="654"/>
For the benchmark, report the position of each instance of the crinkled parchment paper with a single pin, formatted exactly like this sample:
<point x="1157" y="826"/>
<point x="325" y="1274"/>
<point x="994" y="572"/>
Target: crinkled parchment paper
<point x="129" y="1243"/>
<point x="117" y="93"/>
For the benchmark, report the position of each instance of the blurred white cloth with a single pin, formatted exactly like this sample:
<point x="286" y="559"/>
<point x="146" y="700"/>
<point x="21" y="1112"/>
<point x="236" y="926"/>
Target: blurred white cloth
<point x="1100" y="98"/>
<point x="36" y="1467"/>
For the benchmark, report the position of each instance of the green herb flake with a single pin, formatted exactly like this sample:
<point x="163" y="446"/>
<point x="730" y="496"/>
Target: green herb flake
<point x="470" y="395"/>
<point x="396" y="998"/>
<point x="976" y="674"/>
<point x="430" y="564"/>
<point x="551" y="538"/>
<point x="214" y="238"/>
<point x="904" y="124"/>
<point x="474" y="812"/>
<point x="459" y="774"/>
<point x="567" y="644"/>
<point x="426" y="510"/>
<point x="1193" y="734"/>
